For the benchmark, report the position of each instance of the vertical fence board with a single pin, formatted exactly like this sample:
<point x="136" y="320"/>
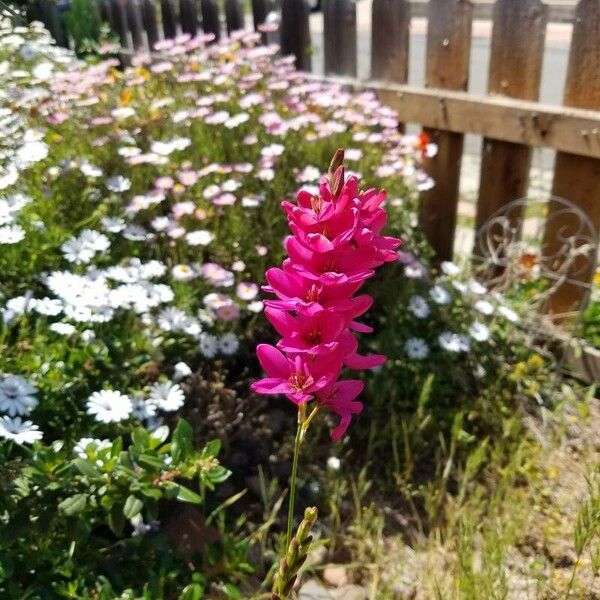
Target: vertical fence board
<point x="150" y="24"/>
<point x="515" y="70"/>
<point x="390" y="40"/>
<point x="339" y="32"/>
<point x="295" y="32"/>
<point x="53" y="22"/>
<point x="169" y="18"/>
<point x="447" y="66"/>
<point x="120" y="16"/>
<point x="210" y="18"/>
<point x="134" y="20"/>
<point x="260" y="10"/>
<point x="188" y="15"/>
<point x="577" y="178"/>
<point x="234" y="15"/>
<point x="106" y="13"/>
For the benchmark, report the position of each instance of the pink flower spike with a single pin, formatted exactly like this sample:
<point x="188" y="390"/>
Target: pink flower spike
<point x="298" y="378"/>
<point x="340" y="398"/>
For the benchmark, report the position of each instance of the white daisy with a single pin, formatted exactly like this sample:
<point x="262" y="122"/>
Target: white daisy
<point x="229" y="344"/>
<point x="109" y="406"/>
<point x="84" y="444"/>
<point x="11" y="234"/>
<point x="209" y="345"/>
<point x="17" y="395"/>
<point x="476" y="288"/>
<point x="48" y="306"/>
<point x="143" y="409"/>
<point x="19" y="431"/>
<point x="202" y="237"/>
<point x="440" y="295"/>
<point x="450" y="268"/>
<point x="167" y="396"/>
<point x="484" y="307"/>
<point x="418" y="307"/>
<point x="181" y="370"/>
<point x="479" y="332"/>
<point x="183" y="273"/>
<point x="453" y="342"/>
<point x="416" y="348"/>
<point x="62" y="328"/>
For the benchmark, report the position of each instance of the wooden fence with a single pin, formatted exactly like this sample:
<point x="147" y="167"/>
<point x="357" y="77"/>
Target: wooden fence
<point x="510" y="118"/>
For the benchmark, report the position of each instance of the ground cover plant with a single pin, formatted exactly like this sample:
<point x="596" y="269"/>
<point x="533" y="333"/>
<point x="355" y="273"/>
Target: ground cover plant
<point x="140" y="208"/>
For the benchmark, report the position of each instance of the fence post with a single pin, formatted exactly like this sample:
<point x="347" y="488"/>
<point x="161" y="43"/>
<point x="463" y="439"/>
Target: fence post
<point x="260" y="10"/>
<point x="120" y="16"/>
<point x="577" y="178"/>
<point x="515" y="71"/>
<point x="389" y="40"/>
<point x="53" y="22"/>
<point x="188" y="14"/>
<point x="295" y="32"/>
<point x="134" y="19"/>
<point x="210" y="18"/>
<point x="150" y="24"/>
<point x="339" y="33"/>
<point x="106" y="13"/>
<point x="234" y="15"/>
<point x="447" y="66"/>
<point x="169" y="18"/>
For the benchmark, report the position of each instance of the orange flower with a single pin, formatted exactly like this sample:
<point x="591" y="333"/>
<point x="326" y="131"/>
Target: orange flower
<point x="125" y="97"/>
<point x="528" y="260"/>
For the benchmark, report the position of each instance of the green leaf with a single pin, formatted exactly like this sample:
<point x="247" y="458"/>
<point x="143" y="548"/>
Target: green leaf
<point x="212" y="448"/>
<point x="186" y="495"/>
<point x="140" y="438"/>
<point x="116" y="520"/>
<point x="133" y="506"/>
<point x="86" y="467"/>
<point x="73" y="504"/>
<point x="182" y="444"/>
<point x="219" y="475"/>
<point x="191" y="592"/>
<point x="232" y="592"/>
<point x="151" y="461"/>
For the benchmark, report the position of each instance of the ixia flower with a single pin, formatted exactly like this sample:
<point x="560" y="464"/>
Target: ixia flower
<point x="335" y="246"/>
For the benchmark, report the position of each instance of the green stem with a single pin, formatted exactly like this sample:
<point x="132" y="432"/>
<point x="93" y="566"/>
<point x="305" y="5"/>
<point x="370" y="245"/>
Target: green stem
<point x="297" y="442"/>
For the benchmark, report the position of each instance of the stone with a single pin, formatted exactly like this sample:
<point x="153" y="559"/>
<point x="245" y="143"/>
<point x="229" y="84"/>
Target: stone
<point x="313" y="590"/>
<point x="335" y="575"/>
<point x="350" y="592"/>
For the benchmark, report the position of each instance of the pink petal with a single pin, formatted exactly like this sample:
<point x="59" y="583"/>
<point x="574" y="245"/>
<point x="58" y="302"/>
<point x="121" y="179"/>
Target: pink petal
<point x="274" y="363"/>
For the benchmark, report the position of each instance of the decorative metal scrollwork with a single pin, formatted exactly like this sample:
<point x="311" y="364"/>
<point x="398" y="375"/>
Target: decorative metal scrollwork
<point x="508" y="251"/>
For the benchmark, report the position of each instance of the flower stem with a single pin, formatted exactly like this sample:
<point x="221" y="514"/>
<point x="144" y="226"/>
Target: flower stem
<point x="297" y="442"/>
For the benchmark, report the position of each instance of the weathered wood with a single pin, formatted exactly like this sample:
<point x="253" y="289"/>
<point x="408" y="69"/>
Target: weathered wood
<point x="575" y="178"/>
<point x="559" y="13"/>
<point x="390" y="40"/>
<point x="260" y="10"/>
<point x="169" y="18"/>
<point x="53" y="22"/>
<point x="339" y="34"/>
<point x="447" y="66"/>
<point x="134" y="20"/>
<point x="567" y="129"/>
<point x="210" y="18"/>
<point x="234" y="15"/>
<point x="515" y="70"/>
<point x="295" y="32"/>
<point x="150" y="24"/>
<point x="188" y="15"/>
<point x="120" y="16"/>
<point x="106" y="13"/>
